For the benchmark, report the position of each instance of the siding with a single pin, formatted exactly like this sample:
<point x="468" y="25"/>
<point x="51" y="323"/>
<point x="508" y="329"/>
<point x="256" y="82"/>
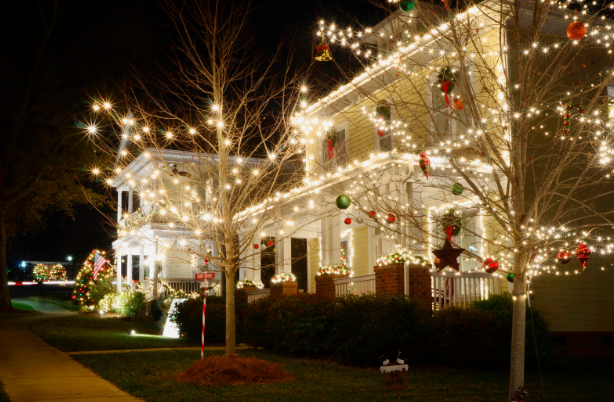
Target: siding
<point x="314" y="262"/>
<point x="575" y="303"/>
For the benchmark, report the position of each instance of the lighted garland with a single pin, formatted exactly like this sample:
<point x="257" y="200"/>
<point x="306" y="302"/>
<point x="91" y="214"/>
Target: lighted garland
<point x="284" y="277"/>
<point x="248" y="283"/>
<point x="58" y="273"/>
<point x="39" y="273"/>
<point x="334" y="270"/>
<point x="85" y="279"/>
<point x="399" y="258"/>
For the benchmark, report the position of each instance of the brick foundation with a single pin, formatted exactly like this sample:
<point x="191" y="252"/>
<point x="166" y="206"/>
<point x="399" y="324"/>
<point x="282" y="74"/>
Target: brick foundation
<point x="325" y="284"/>
<point x="284" y="288"/>
<point x="390" y="279"/>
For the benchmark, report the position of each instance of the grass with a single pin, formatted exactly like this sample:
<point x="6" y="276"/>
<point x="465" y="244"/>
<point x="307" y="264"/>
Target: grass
<point x="63" y="301"/>
<point x="81" y="333"/>
<point x="21" y="310"/>
<point x="148" y="375"/>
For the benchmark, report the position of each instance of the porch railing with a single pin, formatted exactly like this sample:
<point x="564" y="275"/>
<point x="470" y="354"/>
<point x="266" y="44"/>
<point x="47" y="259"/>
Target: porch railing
<point x="358" y="285"/>
<point x="258" y="294"/>
<point x="187" y="285"/>
<point x="461" y="289"/>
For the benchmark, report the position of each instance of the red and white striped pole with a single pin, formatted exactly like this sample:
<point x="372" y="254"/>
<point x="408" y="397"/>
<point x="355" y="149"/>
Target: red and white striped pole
<point x="202" y="343"/>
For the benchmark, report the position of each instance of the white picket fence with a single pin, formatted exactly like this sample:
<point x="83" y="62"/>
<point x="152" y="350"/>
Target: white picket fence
<point x="461" y="289"/>
<point x="358" y="285"/>
<point x="258" y="294"/>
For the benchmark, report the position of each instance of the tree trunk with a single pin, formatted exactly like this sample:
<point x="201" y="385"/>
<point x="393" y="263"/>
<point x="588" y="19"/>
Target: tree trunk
<point x="518" y="325"/>
<point x="5" y="296"/>
<point x="231" y="336"/>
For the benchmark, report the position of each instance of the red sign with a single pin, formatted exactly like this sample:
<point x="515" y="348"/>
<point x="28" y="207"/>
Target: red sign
<point x="204" y="275"/>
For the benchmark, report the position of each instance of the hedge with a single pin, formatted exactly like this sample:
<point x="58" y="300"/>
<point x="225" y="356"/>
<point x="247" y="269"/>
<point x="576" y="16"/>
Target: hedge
<point x="357" y="330"/>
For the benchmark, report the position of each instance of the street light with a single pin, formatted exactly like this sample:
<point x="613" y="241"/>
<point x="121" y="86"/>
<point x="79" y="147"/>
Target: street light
<point x="69" y="258"/>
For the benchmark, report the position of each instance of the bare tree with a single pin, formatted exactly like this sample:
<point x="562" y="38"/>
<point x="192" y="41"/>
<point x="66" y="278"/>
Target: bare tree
<point x="513" y="116"/>
<point x="225" y="109"/>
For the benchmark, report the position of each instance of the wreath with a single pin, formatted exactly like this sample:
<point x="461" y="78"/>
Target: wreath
<point x="447" y="80"/>
<point x="331" y="140"/>
<point x="451" y="219"/>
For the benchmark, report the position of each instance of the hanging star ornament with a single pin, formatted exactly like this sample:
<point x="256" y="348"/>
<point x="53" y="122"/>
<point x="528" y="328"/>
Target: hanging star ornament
<point x="447" y="256"/>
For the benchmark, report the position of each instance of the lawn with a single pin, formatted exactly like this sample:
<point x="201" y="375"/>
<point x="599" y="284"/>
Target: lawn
<point x="80" y="333"/>
<point x="148" y="375"/>
<point x="63" y="301"/>
<point x="21" y="310"/>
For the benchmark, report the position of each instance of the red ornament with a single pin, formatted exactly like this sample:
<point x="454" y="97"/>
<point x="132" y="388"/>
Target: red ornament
<point x="380" y="131"/>
<point x="449" y="231"/>
<point x="206" y="261"/>
<point x="331" y="150"/>
<point x="445" y="87"/>
<point x="563" y="257"/>
<point x="271" y="242"/>
<point x="256" y="246"/>
<point x="372" y="214"/>
<point x="425" y="164"/>
<point x="347" y="221"/>
<point x="576" y="30"/>
<point x="490" y="265"/>
<point x="583" y="253"/>
<point x="391" y="218"/>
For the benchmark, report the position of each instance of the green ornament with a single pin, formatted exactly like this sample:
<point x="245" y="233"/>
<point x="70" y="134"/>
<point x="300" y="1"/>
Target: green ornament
<point x="510" y="278"/>
<point x="343" y="201"/>
<point x="457" y="188"/>
<point x="407" y="6"/>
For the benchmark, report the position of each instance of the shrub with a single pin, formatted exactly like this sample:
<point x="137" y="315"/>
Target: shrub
<point x="366" y="327"/>
<point x="468" y="338"/>
<point x="188" y="317"/>
<point x="132" y="304"/>
<point x="100" y="288"/>
<point x="298" y="324"/>
<point x="356" y="330"/>
<point x="501" y="306"/>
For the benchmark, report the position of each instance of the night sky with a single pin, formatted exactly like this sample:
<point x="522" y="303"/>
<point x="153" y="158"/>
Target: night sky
<point x="95" y="47"/>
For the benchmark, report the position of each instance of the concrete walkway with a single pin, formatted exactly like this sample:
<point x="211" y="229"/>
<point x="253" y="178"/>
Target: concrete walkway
<point x="31" y="370"/>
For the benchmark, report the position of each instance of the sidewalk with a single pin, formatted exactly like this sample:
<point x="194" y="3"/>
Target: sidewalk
<point x="31" y="370"/>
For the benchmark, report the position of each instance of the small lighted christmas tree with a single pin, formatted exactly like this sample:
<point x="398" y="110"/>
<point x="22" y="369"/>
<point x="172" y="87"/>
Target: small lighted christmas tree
<point x="39" y="273"/>
<point x="58" y="273"/>
<point x="85" y="279"/>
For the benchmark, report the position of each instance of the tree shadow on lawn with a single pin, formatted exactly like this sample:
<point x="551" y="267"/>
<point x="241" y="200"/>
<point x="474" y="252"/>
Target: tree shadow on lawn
<point x="149" y="375"/>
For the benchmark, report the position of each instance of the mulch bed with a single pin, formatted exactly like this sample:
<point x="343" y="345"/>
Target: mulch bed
<point x="233" y="370"/>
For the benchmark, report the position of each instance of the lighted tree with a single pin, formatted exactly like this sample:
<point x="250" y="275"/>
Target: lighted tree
<point x="40" y="273"/>
<point x="58" y="273"/>
<point x="226" y="106"/>
<point x="511" y="107"/>
<point x="85" y="281"/>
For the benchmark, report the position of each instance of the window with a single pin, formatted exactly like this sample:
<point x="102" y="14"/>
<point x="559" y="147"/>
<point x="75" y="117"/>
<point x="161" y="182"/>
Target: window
<point x="610" y="91"/>
<point x="468" y="241"/>
<point x="335" y="146"/>
<point x="385" y="140"/>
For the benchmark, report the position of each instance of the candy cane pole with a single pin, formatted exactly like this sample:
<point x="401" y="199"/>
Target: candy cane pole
<point x="202" y="343"/>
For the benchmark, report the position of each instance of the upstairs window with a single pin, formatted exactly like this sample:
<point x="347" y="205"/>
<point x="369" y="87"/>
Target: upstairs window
<point x="448" y="120"/>
<point x="385" y="140"/>
<point x="335" y="147"/>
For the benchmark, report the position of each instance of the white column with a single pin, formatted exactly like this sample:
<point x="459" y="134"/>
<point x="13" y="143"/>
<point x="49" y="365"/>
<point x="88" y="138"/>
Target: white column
<point x="142" y="264"/>
<point x="286" y="254"/>
<point x="324" y="224"/>
<point x="130" y="190"/>
<point x="414" y="194"/>
<point x="129" y="270"/>
<point x="256" y="261"/>
<point x="119" y="271"/>
<point x="153" y="268"/>
<point x="334" y="237"/>
<point x="119" y="204"/>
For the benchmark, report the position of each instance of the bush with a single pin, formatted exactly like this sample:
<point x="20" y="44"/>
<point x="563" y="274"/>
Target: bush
<point x="367" y="327"/>
<point x="298" y="324"/>
<point x="102" y="287"/>
<point x="132" y="304"/>
<point x="501" y="306"/>
<point x="188" y="317"/>
<point x="356" y="330"/>
<point x="469" y="338"/>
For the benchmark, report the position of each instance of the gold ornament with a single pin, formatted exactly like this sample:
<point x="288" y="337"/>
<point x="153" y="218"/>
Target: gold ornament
<point x="323" y="52"/>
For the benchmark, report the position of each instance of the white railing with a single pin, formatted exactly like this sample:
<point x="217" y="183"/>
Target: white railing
<point x="358" y="285"/>
<point x="461" y="289"/>
<point x="187" y="285"/>
<point x="254" y="295"/>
